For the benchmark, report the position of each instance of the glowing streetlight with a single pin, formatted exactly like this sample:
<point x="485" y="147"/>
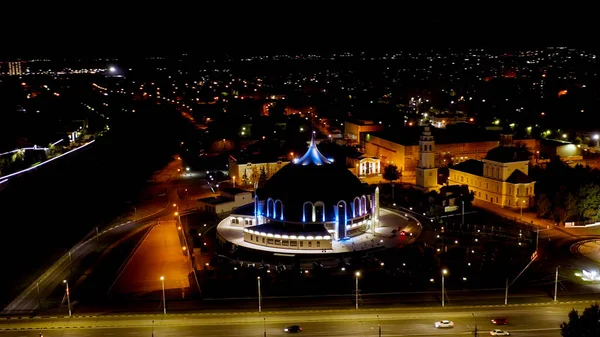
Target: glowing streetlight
<point x="259" y="296"/>
<point x="357" y="276"/>
<point x="162" y="281"/>
<point x="68" y="296"/>
<point x="444" y="272"/>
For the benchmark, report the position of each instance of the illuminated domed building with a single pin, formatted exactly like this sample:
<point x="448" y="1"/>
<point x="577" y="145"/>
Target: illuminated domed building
<point x="307" y="205"/>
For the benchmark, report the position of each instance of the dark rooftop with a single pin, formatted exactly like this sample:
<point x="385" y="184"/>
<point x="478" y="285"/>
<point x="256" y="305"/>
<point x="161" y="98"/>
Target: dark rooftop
<point x="554" y="142"/>
<point x="234" y="190"/>
<point x="362" y="122"/>
<point x="471" y="166"/>
<point x="216" y="200"/>
<point x="244" y="158"/>
<point x="247" y="209"/>
<point x="263" y="151"/>
<point x="452" y="134"/>
<point x="518" y="177"/>
<point x="508" y="154"/>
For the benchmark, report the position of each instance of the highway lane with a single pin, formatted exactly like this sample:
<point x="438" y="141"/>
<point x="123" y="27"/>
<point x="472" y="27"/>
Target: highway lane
<point x="28" y="300"/>
<point x="539" y="320"/>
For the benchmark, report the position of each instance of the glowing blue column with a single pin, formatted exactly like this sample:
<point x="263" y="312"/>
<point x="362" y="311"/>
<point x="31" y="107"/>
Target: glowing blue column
<point x="341" y="221"/>
<point x="376" y="213"/>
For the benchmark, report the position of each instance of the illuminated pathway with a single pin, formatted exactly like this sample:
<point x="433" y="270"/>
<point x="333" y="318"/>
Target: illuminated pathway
<point x="5" y="178"/>
<point x="160" y="254"/>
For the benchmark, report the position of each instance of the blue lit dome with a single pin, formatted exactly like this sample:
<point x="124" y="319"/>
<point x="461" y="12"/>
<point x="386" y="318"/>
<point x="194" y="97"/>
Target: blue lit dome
<point x="313" y="189"/>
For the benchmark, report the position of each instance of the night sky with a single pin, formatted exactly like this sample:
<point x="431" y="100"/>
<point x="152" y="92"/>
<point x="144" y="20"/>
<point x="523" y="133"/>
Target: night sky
<point x="127" y="32"/>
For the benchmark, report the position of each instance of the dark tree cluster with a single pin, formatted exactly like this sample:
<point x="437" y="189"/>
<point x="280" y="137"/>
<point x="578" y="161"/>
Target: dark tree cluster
<point x="586" y="324"/>
<point x="567" y="193"/>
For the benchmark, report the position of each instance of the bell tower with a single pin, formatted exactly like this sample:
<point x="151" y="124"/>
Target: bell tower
<point x="427" y="172"/>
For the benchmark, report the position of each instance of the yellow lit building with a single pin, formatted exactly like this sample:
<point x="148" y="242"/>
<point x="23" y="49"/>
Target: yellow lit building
<point x="354" y="130"/>
<point x="14" y="68"/>
<point x="245" y="171"/>
<point x="501" y="178"/>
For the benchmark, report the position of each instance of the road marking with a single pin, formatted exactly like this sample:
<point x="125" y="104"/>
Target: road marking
<point x="309" y="311"/>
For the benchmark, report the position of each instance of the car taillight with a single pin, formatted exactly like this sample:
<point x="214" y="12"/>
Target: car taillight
<point x="300" y="329"/>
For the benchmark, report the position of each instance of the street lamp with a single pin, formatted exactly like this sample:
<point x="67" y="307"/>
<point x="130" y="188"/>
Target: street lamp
<point x="68" y="296"/>
<point x="444" y="272"/>
<point x="162" y="281"/>
<point x="475" y="333"/>
<point x="556" y="284"/>
<point x="357" y="276"/>
<point x="259" y="296"/>
<point x="522" y="204"/>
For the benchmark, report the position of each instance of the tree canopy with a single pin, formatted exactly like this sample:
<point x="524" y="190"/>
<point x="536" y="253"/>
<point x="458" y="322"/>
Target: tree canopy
<point x="586" y="324"/>
<point x="567" y="193"/>
<point x="390" y="172"/>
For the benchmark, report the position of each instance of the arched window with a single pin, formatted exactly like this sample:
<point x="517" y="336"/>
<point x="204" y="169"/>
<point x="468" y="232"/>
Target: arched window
<point x="278" y="211"/>
<point x="319" y="211"/>
<point x="430" y="147"/>
<point x="307" y="211"/>
<point x="356" y="207"/>
<point x="270" y="207"/>
<point x="363" y="205"/>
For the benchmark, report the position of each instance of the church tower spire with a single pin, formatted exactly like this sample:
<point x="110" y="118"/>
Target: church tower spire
<point x="426" y="169"/>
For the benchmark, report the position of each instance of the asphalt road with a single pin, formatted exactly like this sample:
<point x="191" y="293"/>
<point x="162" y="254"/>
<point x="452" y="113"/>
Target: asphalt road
<point x="27" y="301"/>
<point x="53" y="277"/>
<point x="538" y="320"/>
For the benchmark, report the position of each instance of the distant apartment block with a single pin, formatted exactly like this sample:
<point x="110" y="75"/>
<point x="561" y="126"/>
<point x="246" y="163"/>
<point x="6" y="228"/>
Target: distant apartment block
<point x="15" y="68"/>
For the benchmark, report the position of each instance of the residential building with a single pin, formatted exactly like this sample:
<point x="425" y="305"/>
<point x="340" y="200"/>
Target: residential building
<point x="501" y="178"/>
<point x="246" y="169"/>
<point x="15" y="68"/>
<point x="227" y="201"/>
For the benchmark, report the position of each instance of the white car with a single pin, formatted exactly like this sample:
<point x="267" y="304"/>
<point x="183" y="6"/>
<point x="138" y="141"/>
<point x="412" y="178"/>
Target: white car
<point x="444" y="324"/>
<point x="498" y="332"/>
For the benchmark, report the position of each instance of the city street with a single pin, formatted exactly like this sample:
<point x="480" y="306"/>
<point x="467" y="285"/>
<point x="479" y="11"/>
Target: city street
<point x="46" y="284"/>
<point x="525" y="320"/>
<point x="160" y="254"/>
